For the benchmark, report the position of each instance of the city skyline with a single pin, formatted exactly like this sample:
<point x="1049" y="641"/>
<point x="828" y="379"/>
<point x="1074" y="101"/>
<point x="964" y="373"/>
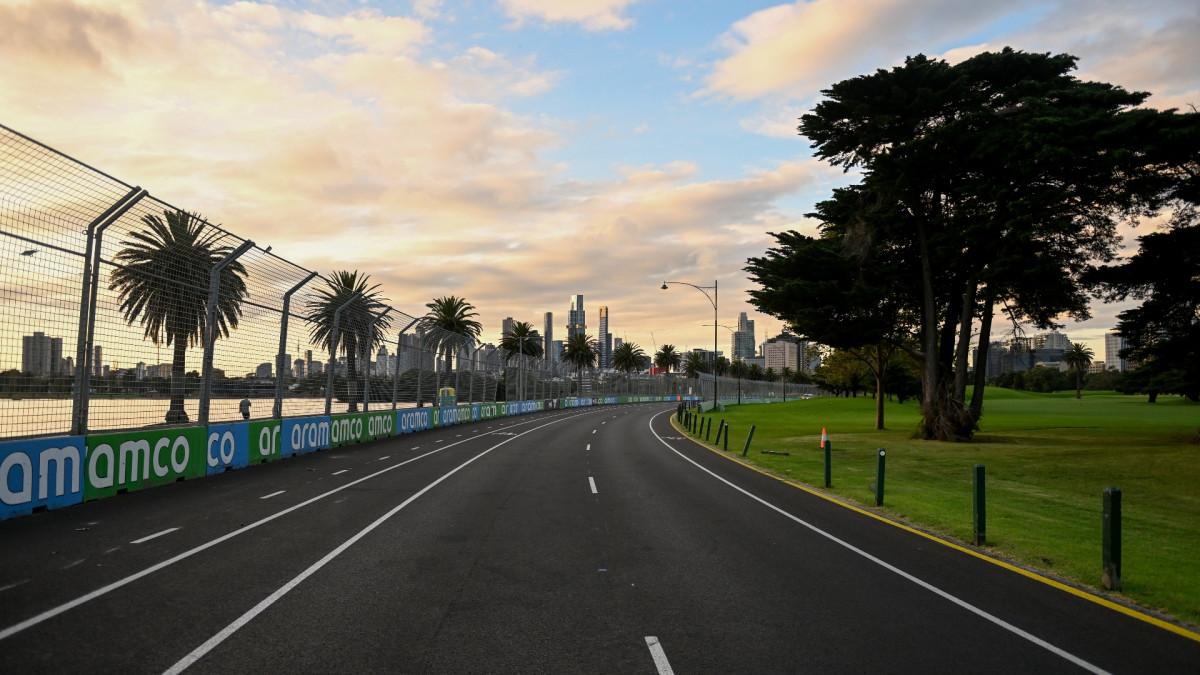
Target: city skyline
<point x="514" y="152"/>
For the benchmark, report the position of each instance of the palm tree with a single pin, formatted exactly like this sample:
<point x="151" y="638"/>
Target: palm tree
<point x="667" y="358"/>
<point x="628" y="357"/>
<point x="164" y="283"/>
<point x="453" y="315"/>
<point x="693" y="365"/>
<point x="523" y="341"/>
<point x="739" y="369"/>
<point x="1078" y="357"/>
<point x="580" y="351"/>
<point x="353" y="322"/>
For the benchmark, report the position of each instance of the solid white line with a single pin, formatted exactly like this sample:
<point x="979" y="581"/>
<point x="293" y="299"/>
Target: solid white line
<point x="273" y="494"/>
<point x="592" y="482"/>
<point x="659" y="656"/>
<point x="923" y="584"/>
<point x="199" y="652"/>
<point x="154" y="536"/>
<point x="589" y="446"/>
<point x="335" y="473"/>
<point x="104" y="590"/>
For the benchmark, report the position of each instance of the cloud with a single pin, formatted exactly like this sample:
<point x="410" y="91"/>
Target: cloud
<point x="592" y="15"/>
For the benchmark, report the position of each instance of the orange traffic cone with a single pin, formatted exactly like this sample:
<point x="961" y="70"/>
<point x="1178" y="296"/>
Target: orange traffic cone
<point x="824" y="437"/>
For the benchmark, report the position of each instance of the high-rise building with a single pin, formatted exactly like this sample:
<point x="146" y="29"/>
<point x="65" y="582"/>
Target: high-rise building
<point x="1113" y="344"/>
<point x="1051" y="340"/>
<point x="548" y="336"/>
<point x="576" y="317"/>
<point x="604" y="344"/>
<point x="263" y="371"/>
<point x="780" y="354"/>
<point x="743" y="338"/>
<point x="506" y="327"/>
<point x="301" y="368"/>
<point x="97" y="361"/>
<point x="41" y="354"/>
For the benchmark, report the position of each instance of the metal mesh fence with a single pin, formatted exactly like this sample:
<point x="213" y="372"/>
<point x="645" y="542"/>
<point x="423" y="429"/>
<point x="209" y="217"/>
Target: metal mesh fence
<point x="121" y="311"/>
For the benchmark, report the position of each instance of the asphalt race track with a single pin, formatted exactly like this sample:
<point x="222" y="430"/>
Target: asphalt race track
<point x="589" y="540"/>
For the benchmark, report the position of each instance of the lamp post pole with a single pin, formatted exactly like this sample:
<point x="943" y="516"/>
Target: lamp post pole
<point x="713" y="299"/>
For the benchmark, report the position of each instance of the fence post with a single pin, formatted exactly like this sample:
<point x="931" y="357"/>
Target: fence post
<point x="1111" y="575"/>
<point x="277" y="409"/>
<point x="333" y="345"/>
<point x="747" y="448"/>
<point x="210" y="338"/>
<point x="879" y="477"/>
<point x="828" y="445"/>
<point x="420" y="361"/>
<point x="370" y="346"/>
<point x="980" y="507"/>
<point x="87" y="306"/>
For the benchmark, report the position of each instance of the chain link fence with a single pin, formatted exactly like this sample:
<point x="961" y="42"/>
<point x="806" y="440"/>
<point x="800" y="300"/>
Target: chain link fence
<point x="121" y="311"/>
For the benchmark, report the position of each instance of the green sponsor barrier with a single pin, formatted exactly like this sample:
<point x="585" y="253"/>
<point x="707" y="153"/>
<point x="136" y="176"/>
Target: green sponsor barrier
<point x="379" y="424"/>
<point x="266" y="442"/>
<point x="347" y="429"/>
<point x="142" y="459"/>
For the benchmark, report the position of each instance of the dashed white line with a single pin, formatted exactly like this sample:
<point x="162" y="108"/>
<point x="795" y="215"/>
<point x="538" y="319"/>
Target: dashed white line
<point x="70" y="565"/>
<point x="589" y="446"/>
<point x="153" y="536"/>
<point x="13" y="585"/>
<point x="659" y="656"/>
<point x="592" y="482"/>
<point x="384" y="457"/>
<point x="273" y="494"/>
<point x="340" y="472"/>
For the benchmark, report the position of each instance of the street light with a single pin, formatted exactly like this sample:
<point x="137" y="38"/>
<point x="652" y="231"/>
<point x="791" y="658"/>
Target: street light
<point x="713" y="299"/>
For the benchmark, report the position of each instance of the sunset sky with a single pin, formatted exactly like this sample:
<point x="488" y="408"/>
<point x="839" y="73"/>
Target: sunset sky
<point x="518" y="152"/>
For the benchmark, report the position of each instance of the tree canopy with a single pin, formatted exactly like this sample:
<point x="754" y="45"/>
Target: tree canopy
<point x="991" y="182"/>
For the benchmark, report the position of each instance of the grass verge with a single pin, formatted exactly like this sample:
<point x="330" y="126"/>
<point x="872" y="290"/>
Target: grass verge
<point x="1047" y="457"/>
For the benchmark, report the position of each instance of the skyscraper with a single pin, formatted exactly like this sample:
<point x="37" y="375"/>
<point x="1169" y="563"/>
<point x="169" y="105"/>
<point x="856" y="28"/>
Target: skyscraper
<point x="576" y="317"/>
<point x="743" y="338"/>
<point x="506" y="327"/>
<point x="98" y="362"/>
<point x="1113" y="344"/>
<point x="548" y="334"/>
<point x="41" y="354"/>
<point x="604" y="343"/>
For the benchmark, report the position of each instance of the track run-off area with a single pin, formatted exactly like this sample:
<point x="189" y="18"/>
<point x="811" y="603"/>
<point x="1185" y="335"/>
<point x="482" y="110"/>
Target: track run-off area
<point x="595" y="540"/>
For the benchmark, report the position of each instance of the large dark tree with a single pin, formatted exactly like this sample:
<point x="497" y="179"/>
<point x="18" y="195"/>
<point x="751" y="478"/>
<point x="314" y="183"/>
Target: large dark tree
<point x="995" y="180"/>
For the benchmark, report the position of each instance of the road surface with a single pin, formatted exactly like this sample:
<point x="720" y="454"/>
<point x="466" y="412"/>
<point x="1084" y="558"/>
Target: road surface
<point x="593" y="540"/>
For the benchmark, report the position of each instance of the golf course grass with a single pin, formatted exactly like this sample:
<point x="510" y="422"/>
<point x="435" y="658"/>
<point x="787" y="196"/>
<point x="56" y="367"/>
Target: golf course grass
<point x="1048" y="458"/>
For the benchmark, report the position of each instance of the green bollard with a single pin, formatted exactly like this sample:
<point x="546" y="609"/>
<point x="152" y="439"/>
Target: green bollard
<point x="980" y="507"/>
<point x="707" y="430"/>
<point x="720" y="428"/>
<point x="879" y="478"/>
<point x="726" y="438"/>
<point x="828" y="464"/>
<point x="748" y="437"/>
<point x="1111" y="575"/>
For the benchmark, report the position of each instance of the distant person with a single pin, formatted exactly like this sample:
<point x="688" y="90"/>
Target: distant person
<point x="244" y="406"/>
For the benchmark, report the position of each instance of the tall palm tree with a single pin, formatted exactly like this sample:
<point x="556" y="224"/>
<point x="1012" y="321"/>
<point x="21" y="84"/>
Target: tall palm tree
<point x="628" y="357"/>
<point x="164" y="283"/>
<point x="353" y="322"/>
<point x="523" y="341"/>
<point x="693" y="365"/>
<point x="455" y="316"/>
<point x="1078" y="357"/>
<point x="667" y="358"/>
<point x="580" y="351"/>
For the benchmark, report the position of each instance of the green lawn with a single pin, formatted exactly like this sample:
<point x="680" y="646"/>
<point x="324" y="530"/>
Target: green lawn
<point x="1048" y="458"/>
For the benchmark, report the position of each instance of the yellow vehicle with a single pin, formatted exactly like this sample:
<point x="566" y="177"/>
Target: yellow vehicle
<point x="446" y="397"/>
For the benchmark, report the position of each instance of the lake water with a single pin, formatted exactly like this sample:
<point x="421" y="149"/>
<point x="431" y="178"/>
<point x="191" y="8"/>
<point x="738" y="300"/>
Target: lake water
<point x="52" y="416"/>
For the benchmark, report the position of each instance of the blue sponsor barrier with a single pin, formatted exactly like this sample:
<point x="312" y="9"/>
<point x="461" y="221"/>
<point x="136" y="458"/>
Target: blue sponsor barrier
<point x="46" y="472"/>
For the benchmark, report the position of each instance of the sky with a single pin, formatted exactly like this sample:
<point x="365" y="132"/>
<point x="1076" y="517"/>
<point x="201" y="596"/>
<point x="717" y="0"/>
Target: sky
<point x="519" y="152"/>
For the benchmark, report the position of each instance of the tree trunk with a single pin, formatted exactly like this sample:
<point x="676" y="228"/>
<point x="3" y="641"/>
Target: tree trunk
<point x="964" y="341"/>
<point x="175" y="413"/>
<point x="985" y="337"/>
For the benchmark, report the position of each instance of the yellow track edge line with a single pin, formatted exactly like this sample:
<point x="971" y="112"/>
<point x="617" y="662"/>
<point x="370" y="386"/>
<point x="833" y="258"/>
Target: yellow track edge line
<point x="1077" y="592"/>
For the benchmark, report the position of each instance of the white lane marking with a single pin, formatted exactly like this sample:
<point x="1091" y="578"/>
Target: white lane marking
<point x="659" y="656"/>
<point x="104" y="590"/>
<point x="385" y="457"/>
<point x="156" y="535"/>
<point x="13" y="585"/>
<point x="923" y="584"/>
<point x="592" y="482"/>
<point x="199" y="652"/>
<point x="70" y="565"/>
<point x="593" y="431"/>
<point x="273" y="494"/>
<point x="589" y="446"/>
<point x="335" y="473"/>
